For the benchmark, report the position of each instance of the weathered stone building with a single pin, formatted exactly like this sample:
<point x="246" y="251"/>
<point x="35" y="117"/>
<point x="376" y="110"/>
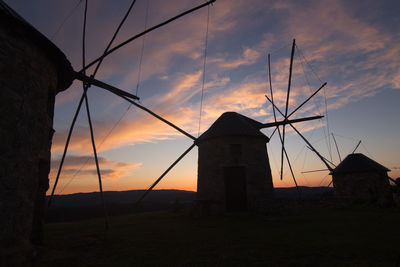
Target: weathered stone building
<point x="359" y="177"/>
<point x="233" y="166"/>
<point x="32" y="71"/>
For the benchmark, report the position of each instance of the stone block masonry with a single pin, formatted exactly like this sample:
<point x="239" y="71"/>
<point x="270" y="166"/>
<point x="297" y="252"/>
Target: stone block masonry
<point x="32" y="71"/>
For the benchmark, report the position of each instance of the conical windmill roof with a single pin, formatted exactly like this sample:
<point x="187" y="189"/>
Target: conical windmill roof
<point x="358" y="162"/>
<point x="233" y="124"/>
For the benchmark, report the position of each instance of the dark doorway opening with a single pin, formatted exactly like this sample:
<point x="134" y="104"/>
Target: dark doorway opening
<point x="235" y="188"/>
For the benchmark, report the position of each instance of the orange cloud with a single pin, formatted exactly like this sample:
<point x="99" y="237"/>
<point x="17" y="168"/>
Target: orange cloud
<point x="84" y="166"/>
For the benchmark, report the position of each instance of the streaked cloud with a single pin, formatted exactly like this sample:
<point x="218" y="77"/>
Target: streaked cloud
<point x="84" y="166"/>
<point x="248" y="57"/>
<point x="344" y="43"/>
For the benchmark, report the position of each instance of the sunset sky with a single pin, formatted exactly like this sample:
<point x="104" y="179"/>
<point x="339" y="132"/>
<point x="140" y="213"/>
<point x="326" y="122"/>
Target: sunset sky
<point x="354" y="46"/>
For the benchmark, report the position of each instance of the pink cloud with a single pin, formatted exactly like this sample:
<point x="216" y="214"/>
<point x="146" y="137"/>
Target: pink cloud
<point x="248" y="57"/>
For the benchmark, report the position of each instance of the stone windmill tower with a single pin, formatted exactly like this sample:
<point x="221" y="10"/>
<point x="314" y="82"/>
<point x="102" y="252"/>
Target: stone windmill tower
<point x="233" y="165"/>
<point x="359" y="177"/>
<point x="33" y="71"/>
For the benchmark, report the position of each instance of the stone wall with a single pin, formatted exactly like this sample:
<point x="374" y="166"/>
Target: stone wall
<point x="217" y="153"/>
<point x="28" y="83"/>
<point x="369" y="186"/>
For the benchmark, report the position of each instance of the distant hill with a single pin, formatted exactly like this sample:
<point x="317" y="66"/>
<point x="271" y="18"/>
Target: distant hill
<point x="87" y="205"/>
<point x="121" y="197"/>
<point x="305" y="192"/>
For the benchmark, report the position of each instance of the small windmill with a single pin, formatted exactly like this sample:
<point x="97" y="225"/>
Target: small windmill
<point x="360" y="177"/>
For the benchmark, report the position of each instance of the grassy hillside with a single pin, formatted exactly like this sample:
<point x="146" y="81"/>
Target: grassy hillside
<point x="87" y="205"/>
<point x="306" y="234"/>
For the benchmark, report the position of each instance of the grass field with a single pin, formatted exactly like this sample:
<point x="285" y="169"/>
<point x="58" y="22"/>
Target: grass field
<point x="294" y="235"/>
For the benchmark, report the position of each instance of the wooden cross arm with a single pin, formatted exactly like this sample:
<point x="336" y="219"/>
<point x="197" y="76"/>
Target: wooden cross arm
<point x="284" y="122"/>
<point x="80" y="76"/>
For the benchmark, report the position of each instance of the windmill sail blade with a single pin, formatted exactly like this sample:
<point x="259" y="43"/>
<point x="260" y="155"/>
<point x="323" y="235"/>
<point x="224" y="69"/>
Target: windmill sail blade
<point x="106" y="53"/>
<point x="270" y="85"/>
<point x="327" y="160"/>
<point x="305" y="140"/>
<point x="160" y="118"/>
<point x="291" y="171"/>
<point x="356" y="147"/>
<point x="283" y="147"/>
<point x="273" y="108"/>
<point x="283" y="143"/>
<point x="274" y="124"/>
<point x="103" y="85"/>
<point x="71" y="128"/>
<point x="276" y="108"/>
<point x="322" y="170"/>
<point x="308" y="99"/>
<point x="272" y="97"/>
<point x="96" y="160"/>
<point x="162" y="175"/>
<point x="290" y="77"/>
<point x="287" y="103"/>
<point x="337" y="148"/>
<point x="312" y="148"/>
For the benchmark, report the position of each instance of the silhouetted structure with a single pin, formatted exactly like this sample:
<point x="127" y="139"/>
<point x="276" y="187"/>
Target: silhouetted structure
<point x="234" y="172"/>
<point x="359" y="177"/>
<point x="33" y="71"/>
<point x="233" y="165"/>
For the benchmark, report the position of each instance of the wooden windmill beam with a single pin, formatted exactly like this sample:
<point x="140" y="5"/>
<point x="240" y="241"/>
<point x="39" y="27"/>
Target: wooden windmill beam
<point x="302" y="104"/>
<point x="277" y="128"/>
<point x="66" y="148"/>
<point x="85" y="87"/>
<point x="90" y="80"/>
<point x="145" y="32"/>
<point x="274" y="124"/>
<point x="337" y="148"/>
<point x="327" y="160"/>
<point x="305" y="140"/>
<point x="356" y="147"/>
<point x="272" y="95"/>
<point x="313" y="149"/>
<point x="107" y="224"/>
<point x="290" y="77"/>
<point x="127" y="96"/>
<point x="287" y="103"/>
<point x="322" y="170"/>
<point x="160" y="118"/>
<point x="165" y="173"/>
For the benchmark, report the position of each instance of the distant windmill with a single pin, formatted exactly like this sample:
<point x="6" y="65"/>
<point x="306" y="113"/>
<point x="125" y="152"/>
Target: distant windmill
<point x="360" y="177"/>
<point x="329" y="162"/>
